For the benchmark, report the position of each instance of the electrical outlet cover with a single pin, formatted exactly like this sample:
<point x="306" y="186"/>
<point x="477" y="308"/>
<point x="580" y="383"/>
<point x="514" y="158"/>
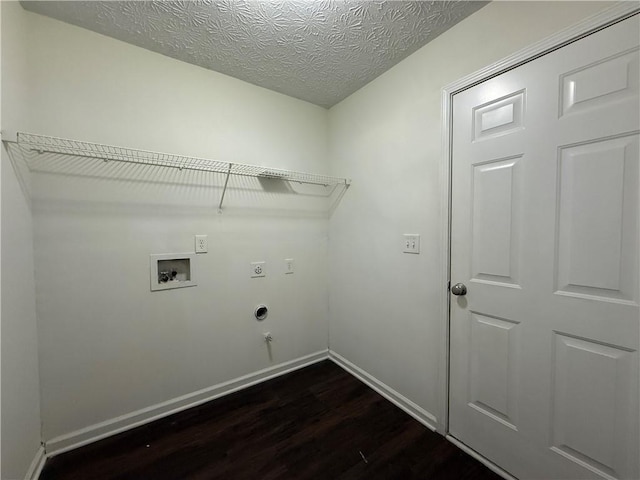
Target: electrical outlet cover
<point x="201" y="244"/>
<point x="258" y="269"/>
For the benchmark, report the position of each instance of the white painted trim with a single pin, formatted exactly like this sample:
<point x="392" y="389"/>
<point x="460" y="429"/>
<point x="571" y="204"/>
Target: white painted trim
<point x="598" y="21"/>
<point x="146" y="415"/>
<point x="35" y="469"/>
<point x="400" y="401"/>
<point x="619" y="11"/>
<point x="487" y="463"/>
<point x="445" y="206"/>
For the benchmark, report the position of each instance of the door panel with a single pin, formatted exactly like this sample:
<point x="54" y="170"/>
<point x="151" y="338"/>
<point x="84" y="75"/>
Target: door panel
<point x="595" y="225"/>
<point x="493" y="348"/>
<point x="610" y="80"/>
<point x="589" y="384"/>
<point x="495" y="219"/>
<point x="545" y="234"/>
<point x="499" y="117"/>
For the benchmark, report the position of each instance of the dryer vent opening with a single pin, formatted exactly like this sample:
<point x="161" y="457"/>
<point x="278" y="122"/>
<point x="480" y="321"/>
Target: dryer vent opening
<point x="261" y="312"/>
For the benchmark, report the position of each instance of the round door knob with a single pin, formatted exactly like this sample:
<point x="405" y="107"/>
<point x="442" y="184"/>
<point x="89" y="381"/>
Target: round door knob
<point x="459" y="289"/>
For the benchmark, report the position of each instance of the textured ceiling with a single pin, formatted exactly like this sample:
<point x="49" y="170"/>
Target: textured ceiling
<point x="320" y="51"/>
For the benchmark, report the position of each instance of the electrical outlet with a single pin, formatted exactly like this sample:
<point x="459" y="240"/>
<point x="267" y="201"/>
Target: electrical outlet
<point x="288" y="265"/>
<point x="258" y="269"/>
<point x="201" y="244"/>
<point x="411" y="243"/>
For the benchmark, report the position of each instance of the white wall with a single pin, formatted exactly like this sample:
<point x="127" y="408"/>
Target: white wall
<point x="109" y="346"/>
<point x="386" y="306"/>
<point x="20" y="384"/>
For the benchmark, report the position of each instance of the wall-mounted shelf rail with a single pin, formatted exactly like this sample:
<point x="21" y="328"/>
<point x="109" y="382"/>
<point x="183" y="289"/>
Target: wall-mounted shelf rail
<point x="77" y="148"/>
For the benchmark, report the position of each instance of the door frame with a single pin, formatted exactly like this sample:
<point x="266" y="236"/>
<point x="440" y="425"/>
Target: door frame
<point x="607" y="17"/>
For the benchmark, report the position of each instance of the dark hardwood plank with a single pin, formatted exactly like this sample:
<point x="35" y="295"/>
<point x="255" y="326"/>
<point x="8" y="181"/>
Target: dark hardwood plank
<point x="315" y="423"/>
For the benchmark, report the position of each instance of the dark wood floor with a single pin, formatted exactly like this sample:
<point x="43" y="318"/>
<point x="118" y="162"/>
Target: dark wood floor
<point x="316" y="423"/>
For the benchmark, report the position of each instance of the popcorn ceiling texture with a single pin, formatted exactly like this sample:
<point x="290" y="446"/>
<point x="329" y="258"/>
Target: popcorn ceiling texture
<point x="319" y="51"/>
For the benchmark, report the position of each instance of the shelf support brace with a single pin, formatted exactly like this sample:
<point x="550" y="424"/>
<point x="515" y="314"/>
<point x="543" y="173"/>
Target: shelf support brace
<point x="224" y="190"/>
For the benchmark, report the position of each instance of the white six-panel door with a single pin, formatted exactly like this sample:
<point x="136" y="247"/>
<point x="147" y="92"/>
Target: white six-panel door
<point x="545" y="236"/>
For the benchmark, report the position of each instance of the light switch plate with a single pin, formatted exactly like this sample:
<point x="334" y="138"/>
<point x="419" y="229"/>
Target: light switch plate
<point x="411" y="243"/>
<point x="288" y="265"/>
<point x="258" y="269"/>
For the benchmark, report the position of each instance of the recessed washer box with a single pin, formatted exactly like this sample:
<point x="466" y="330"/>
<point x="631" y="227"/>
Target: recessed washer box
<point x="172" y="270"/>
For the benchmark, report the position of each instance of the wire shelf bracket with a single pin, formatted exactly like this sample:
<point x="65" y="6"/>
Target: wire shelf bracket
<point x="77" y="148"/>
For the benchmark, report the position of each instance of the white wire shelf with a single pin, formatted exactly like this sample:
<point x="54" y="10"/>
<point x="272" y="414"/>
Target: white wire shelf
<point x="77" y="148"/>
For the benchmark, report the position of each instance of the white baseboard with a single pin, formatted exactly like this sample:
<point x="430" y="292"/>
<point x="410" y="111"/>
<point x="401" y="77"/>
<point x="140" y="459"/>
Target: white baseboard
<point x="146" y="415"/>
<point x="36" y="465"/>
<point x="400" y="401"/>
<point x="135" y="419"/>
<point x="487" y="463"/>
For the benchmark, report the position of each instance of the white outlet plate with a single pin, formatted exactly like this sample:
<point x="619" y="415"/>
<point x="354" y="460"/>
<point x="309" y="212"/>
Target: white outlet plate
<point x="258" y="269"/>
<point x="289" y="265"/>
<point x="201" y="244"/>
<point x="411" y="243"/>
